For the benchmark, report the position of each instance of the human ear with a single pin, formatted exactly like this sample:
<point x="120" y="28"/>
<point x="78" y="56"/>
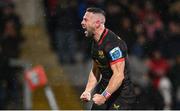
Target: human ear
<point x="98" y="23"/>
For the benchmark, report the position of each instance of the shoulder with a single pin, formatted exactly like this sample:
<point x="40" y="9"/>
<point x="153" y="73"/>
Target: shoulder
<point x="114" y="40"/>
<point x="114" y="37"/>
<point x="111" y="35"/>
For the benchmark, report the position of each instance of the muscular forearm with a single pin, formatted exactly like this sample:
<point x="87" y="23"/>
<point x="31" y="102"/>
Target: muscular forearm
<point x="114" y="83"/>
<point x="117" y="77"/>
<point x="92" y="81"/>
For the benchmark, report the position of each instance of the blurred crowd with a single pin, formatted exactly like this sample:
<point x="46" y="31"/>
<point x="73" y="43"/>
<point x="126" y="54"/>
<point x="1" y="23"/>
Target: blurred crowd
<point x="10" y="42"/>
<point x="151" y="29"/>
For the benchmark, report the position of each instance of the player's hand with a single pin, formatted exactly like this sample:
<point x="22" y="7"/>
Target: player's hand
<point x="85" y="96"/>
<point x="99" y="99"/>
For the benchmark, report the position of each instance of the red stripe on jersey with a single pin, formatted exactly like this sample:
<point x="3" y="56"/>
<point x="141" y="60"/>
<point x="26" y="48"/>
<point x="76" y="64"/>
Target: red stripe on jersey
<point x="116" y="61"/>
<point x="103" y="37"/>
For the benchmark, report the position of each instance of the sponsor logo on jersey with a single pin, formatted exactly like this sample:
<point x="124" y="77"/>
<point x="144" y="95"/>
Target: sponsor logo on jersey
<point x="115" y="53"/>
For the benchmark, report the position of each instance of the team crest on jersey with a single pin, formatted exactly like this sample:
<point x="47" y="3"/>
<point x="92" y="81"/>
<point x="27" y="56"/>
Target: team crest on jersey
<point x="101" y="54"/>
<point x="115" y="53"/>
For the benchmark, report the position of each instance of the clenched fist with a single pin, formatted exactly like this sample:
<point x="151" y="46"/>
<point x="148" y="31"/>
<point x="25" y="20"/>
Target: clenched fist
<point x="99" y="99"/>
<point x="85" y="96"/>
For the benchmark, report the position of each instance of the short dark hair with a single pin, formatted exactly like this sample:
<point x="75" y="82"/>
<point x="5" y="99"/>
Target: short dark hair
<point x="96" y="10"/>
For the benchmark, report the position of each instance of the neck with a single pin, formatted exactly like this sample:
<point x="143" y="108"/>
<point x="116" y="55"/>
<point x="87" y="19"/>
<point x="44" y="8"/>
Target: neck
<point x="98" y="33"/>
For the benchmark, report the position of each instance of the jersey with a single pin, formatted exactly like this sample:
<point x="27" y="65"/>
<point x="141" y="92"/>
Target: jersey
<point x="109" y="50"/>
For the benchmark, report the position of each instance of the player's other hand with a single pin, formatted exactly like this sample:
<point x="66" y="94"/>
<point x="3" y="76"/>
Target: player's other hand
<point x="99" y="99"/>
<point x="85" y="96"/>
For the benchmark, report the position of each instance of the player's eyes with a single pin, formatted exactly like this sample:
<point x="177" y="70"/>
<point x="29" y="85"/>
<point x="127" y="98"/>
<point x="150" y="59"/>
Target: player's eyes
<point x="85" y="19"/>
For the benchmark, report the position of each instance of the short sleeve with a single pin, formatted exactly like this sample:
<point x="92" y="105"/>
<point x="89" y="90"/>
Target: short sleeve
<point x="116" y="52"/>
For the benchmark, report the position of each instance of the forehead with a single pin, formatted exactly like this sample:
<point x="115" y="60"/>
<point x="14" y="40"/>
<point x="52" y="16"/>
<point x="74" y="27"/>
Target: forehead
<point x="88" y="15"/>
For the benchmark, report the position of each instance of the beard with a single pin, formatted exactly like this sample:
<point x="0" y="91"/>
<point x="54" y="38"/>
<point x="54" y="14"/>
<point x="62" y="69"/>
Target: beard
<point x="88" y="34"/>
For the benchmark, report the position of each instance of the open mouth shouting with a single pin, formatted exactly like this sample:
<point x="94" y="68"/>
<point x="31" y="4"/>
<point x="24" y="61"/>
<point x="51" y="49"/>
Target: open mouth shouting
<point x="85" y="31"/>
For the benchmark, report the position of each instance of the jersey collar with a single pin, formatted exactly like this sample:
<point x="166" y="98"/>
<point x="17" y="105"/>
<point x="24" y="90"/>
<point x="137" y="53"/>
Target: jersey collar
<point x="103" y="35"/>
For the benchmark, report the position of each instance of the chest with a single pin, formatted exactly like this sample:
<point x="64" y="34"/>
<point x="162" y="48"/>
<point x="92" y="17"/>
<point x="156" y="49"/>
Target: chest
<point x="99" y="55"/>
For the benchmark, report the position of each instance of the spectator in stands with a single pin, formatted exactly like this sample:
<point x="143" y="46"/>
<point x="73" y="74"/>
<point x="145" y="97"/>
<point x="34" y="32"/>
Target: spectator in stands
<point x="10" y="42"/>
<point x="150" y="19"/>
<point x="158" y="70"/>
<point x="9" y="14"/>
<point x="138" y="48"/>
<point x="158" y="67"/>
<point x="173" y="39"/>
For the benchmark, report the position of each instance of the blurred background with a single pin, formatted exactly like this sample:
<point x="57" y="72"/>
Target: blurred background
<point x="48" y="33"/>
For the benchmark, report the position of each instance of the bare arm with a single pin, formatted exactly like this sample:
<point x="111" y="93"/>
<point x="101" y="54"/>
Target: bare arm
<point x="117" y="77"/>
<point x="94" y="77"/>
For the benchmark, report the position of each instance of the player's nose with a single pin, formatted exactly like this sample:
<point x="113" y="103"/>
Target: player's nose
<point x="82" y="23"/>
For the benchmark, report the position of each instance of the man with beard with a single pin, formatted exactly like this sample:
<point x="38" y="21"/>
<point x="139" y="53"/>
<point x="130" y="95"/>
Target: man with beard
<point x="109" y="74"/>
